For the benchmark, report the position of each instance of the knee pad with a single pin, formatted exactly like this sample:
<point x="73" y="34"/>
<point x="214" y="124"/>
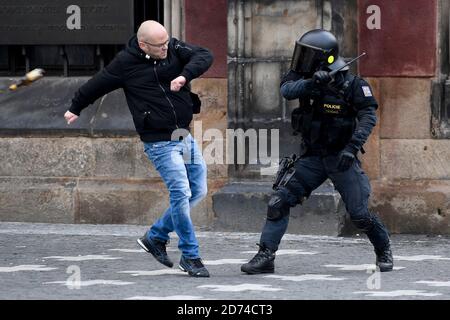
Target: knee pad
<point x="277" y="207"/>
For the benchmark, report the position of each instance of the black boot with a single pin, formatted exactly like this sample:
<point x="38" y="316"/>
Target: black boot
<point x="262" y="262"/>
<point x="384" y="261"/>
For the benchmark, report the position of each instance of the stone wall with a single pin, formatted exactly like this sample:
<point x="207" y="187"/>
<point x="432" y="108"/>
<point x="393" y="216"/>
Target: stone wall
<point x="409" y="167"/>
<point x="94" y="171"/>
<point x="410" y="171"/>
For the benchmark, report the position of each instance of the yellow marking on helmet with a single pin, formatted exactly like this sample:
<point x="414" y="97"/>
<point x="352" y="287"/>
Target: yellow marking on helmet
<point x="330" y="59"/>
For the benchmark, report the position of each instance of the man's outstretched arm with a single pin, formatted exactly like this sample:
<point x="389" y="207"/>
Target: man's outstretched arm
<point x="107" y="80"/>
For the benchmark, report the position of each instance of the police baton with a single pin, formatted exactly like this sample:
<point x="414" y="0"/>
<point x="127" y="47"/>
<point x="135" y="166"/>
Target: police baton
<point x="332" y="73"/>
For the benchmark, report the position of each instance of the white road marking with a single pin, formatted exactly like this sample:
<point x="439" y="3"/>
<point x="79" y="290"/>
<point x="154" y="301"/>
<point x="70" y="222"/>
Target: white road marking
<point x="128" y="250"/>
<point x="88" y="283"/>
<point x="153" y="272"/>
<point x="138" y="250"/>
<point x="420" y="258"/>
<point x="240" y="287"/>
<point x="26" y="267"/>
<point x="356" y="267"/>
<point x="307" y="277"/>
<point x="287" y="251"/>
<point x="287" y="237"/>
<point x="398" y="293"/>
<point x="180" y="297"/>
<point x="436" y="283"/>
<point x="224" y="261"/>
<point x="83" y="258"/>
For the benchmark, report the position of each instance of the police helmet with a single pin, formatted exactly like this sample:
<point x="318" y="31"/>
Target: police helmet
<point x="315" y="50"/>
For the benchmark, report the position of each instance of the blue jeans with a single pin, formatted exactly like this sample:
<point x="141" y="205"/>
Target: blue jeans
<point x="183" y="170"/>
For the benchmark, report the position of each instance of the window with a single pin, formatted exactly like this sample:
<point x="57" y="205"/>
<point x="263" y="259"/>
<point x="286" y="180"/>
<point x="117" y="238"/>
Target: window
<point x="72" y="59"/>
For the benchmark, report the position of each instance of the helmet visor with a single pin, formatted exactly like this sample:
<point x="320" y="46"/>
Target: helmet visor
<point x="307" y="58"/>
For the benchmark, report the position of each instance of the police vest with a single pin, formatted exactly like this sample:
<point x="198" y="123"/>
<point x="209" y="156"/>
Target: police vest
<point x="328" y="121"/>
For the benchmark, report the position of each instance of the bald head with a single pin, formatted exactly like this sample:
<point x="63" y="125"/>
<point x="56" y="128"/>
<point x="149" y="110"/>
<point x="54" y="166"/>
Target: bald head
<point x="153" y="39"/>
<point x="151" y="31"/>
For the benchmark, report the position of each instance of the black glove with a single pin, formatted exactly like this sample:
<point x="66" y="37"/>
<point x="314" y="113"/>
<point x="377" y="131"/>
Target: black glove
<point x="321" y="77"/>
<point x="346" y="158"/>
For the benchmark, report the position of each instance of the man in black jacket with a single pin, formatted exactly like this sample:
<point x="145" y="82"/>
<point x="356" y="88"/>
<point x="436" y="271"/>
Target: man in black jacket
<point x="336" y="115"/>
<point x="154" y="71"/>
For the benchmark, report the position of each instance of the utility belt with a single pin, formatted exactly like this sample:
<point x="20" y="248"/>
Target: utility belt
<point x="316" y="152"/>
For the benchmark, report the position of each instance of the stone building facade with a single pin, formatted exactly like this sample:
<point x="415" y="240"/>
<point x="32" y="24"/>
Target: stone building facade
<point x="96" y="172"/>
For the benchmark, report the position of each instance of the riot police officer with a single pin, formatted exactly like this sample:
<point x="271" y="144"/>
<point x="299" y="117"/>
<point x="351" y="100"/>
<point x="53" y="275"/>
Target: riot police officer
<point x="336" y="115"/>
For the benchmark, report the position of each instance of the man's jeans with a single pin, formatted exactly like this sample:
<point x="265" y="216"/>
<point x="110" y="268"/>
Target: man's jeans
<point x="183" y="170"/>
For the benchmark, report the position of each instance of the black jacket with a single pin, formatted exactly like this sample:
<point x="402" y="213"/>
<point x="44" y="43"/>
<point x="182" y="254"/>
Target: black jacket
<point x="363" y="103"/>
<point x="156" y="110"/>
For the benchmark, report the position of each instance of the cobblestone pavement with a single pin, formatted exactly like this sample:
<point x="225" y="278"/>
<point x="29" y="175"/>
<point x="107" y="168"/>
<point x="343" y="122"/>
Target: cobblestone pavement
<point x="93" y="262"/>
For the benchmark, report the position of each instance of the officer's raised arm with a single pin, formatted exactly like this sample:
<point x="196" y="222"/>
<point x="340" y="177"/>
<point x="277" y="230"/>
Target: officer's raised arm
<point x="294" y="86"/>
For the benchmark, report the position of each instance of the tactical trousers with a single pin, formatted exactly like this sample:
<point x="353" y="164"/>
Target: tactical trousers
<point x="353" y="185"/>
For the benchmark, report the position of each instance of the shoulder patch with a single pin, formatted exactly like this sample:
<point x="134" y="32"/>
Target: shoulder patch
<point x="367" y="91"/>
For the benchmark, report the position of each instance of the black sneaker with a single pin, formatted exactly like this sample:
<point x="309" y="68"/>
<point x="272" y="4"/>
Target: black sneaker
<point x="156" y="248"/>
<point x="262" y="262"/>
<point x="384" y="261"/>
<point x="194" y="267"/>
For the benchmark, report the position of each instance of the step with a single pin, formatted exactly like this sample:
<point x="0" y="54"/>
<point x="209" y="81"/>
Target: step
<point x="242" y="206"/>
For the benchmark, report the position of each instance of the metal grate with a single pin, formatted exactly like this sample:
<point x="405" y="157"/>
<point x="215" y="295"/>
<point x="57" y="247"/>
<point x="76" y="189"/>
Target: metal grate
<point x="72" y="60"/>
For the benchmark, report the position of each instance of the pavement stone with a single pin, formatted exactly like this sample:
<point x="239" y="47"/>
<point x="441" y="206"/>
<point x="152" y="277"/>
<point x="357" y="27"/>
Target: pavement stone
<point x="44" y="261"/>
